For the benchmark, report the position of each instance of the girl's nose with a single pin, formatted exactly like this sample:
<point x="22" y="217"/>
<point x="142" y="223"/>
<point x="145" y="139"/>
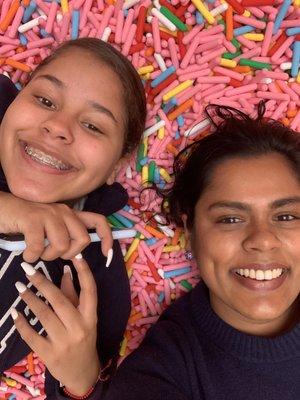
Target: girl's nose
<point x="58" y="128"/>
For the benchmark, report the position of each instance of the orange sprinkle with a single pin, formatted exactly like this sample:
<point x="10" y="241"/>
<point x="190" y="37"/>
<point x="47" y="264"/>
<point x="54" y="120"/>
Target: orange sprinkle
<point x="229" y="23"/>
<point x="241" y="69"/>
<point x="20" y="49"/>
<point x="30" y="365"/>
<point x="153" y="271"/>
<point x="176" y="236"/>
<point x="149" y="51"/>
<point x="291" y="113"/>
<point x="4" y="24"/>
<point x="172" y="149"/>
<point x="134" y="318"/>
<point x="25" y="3"/>
<point x="17" y="65"/>
<point x="285" y="121"/>
<point x="132" y="259"/>
<point x="154" y="232"/>
<point x="179" y="110"/>
<point x="2" y="60"/>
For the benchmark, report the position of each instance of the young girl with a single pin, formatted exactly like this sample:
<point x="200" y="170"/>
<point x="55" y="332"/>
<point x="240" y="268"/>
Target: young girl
<point x="236" y="335"/>
<point x="61" y="140"/>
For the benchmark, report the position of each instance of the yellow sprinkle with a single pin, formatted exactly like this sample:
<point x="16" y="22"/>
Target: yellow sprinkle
<point x="129" y="273"/>
<point x="204" y="11"/>
<point x="146" y="76"/>
<point x="10" y="382"/>
<point x="145" y="142"/>
<point x="256" y="37"/>
<point x="145" y="175"/>
<point x="165" y="175"/>
<point x="161" y="133"/>
<point x="123" y="347"/>
<point x="297" y="3"/>
<point x="64" y="6"/>
<point x="182" y="86"/>
<point x="162" y="28"/>
<point x="132" y="248"/>
<point x="182" y="241"/>
<point x="298" y="77"/>
<point x="146" y="69"/>
<point x="168" y="249"/>
<point x="228" y="63"/>
<point x="247" y="13"/>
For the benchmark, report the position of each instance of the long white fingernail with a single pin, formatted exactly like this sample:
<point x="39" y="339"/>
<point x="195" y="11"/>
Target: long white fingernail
<point x="67" y="270"/>
<point x="29" y="270"/>
<point x="110" y="254"/>
<point x="14" y="314"/>
<point x="20" y="287"/>
<point x="78" y="256"/>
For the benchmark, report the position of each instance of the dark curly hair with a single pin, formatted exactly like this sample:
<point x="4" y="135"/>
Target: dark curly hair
<point x="235" y="135"/>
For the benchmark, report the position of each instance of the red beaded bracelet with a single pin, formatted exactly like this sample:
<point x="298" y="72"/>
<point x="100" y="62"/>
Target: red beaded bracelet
<point x="101" y="378"/>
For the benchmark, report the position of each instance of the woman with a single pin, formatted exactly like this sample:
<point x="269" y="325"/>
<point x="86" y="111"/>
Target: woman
<point x="236" y="335"/>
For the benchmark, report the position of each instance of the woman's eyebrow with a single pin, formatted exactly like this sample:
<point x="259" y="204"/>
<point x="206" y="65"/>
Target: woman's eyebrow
<point x="246" y="207"/>
<point x="93" y="104"/>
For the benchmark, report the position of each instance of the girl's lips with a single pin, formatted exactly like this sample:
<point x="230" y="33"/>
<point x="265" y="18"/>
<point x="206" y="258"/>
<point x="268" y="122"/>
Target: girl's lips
<point x="261" y="285"/>
<point x="41" y="167"/>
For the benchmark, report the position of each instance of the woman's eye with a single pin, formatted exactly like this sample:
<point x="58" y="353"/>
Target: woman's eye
<point x="229" y="220"/>
<point x="45" y="102"/>
<point x="286" y="217"/>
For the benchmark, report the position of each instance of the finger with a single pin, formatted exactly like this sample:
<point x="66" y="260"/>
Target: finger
<point x="42" y="311"/>
<point x="62" y="307"/>
<point x="98" y="222"/>
<point x="79" y="237"/>
<point x="88" y="289"/>
<point x="67" y="286"/>
<point x="35" y="243"/>
<point x="37" y="343"/>
<point x="58" y="237"/>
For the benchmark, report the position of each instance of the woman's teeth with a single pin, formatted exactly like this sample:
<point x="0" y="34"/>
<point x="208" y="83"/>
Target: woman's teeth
<point x="46" y="159"/>
<point x="259" y="274"/>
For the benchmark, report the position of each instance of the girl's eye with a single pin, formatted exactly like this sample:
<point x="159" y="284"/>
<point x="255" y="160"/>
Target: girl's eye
<point x="91" y="127"/>
<point x="286" y="217"/>
<point x="229" y="220"/>
<point x="45" y="102"/>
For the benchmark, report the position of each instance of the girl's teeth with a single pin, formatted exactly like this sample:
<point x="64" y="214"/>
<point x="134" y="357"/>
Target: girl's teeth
<point x="46" y="159"/>
<point x="259" y="274"/>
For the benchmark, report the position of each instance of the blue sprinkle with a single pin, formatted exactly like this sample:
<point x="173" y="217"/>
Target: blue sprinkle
<point x="28" y="12"/>
<point x="242" y="30"/>
<point x="44" y="33"/>
<point x="295" y="59"/>
<point x="177" y="135"/>
<point x="151" y="241"/>
<point x="75" y="24"/>
<point x="144" y="161"/>
<point x="164" y="75"/>
<point x="180" y="120"/>
<point x="280" y="15"/>
<point x="293" y="31"/>
<point x="199" y="18"/>
<point x="161" y="297"/>
<point x="124" y="221"/>
<point x="23" y="39"/>
<point x="176" y="272"/>
<point x="18" y="86"/>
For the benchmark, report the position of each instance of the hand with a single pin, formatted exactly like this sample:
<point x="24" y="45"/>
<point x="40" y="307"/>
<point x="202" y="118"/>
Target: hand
<point x="69" y="350"/>
<point x="65" y="229"/>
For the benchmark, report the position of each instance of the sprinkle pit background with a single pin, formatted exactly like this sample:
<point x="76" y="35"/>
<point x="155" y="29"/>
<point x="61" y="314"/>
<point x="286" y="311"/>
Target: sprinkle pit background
<point x="189" y="53"/>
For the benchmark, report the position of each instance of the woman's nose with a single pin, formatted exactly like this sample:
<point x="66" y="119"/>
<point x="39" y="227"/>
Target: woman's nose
<point x="57" y="127"/>
<point x="262" y="238"/>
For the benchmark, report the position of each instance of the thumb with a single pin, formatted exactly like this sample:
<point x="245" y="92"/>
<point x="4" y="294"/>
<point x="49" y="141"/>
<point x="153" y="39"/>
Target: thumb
<point x="67" y="286"/>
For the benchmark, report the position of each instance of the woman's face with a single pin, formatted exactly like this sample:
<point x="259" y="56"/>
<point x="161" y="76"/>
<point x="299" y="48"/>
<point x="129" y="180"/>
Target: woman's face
<point x="246" y="240"/>
<point x="63" y="135"/>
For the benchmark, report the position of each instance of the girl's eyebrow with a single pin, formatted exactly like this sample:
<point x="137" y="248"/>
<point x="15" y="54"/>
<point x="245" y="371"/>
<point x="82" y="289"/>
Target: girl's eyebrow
<point x="246" y="207"/>
<point x="93" y="104"/>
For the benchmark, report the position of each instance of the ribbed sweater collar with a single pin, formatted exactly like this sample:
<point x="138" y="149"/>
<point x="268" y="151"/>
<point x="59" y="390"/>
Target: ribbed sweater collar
<point x="241" y="345"/>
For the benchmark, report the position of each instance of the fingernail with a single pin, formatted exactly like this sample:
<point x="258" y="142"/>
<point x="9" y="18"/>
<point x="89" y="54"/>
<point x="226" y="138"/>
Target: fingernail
<point x="67" y="270"/>
<point x="14" y="314"/>
<point x="110" y="254"/>
<point x="29" y="270"/>
<point x="20" y="287"/>
<point x="78" y="256"/>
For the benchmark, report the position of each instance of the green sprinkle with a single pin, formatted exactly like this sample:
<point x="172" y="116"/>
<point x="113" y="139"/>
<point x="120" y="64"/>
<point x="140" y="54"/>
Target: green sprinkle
<point x="173" y="18"/>
<point x="115" y="222"/>
<point x="140" y="156"/>
<point x="254" y="64"/>
<point x="151" y="171"/>
<point x="231" y="56"/>
<point x="236" y="43"/>
<point x="186" y="284"/>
